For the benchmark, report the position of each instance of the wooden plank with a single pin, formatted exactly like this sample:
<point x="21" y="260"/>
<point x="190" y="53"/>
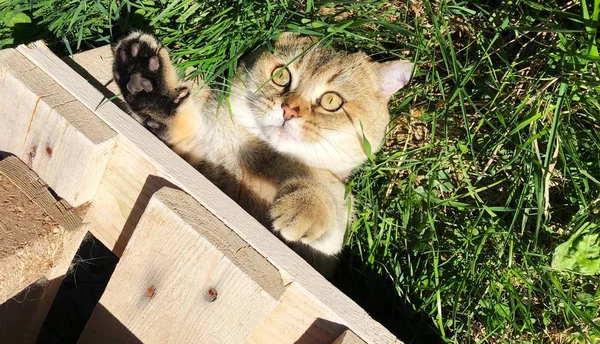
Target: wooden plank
<point x="122" y="196"/>
<point x="348" y="337"/>
<point x="310" y="284"/>
<point x="39" y="236"/>
<point x="95" y="61"/>
<point x="72" y="240"/>
<point x="185" y="278"/>
<point x="298" y="318"/>
<point x="33" y="224"/>
<point x="45" y="126"/>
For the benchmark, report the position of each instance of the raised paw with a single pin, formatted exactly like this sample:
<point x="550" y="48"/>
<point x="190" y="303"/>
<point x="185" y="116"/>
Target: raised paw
<point x="302" y="215"/>
<point x="146" y="77"/>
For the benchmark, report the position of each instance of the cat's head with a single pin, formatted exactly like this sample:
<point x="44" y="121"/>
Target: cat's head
<point x="316" y="104"/>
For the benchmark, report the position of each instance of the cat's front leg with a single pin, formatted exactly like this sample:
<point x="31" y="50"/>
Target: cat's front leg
<point x="312" y="213"/>
<point x="158" y="98"/>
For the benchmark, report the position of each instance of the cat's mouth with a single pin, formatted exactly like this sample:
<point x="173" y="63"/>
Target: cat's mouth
<point x="285" y="133"/>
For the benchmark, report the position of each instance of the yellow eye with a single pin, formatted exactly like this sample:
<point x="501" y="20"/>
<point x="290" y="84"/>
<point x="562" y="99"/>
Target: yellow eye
<point x="331" y="101"/>
<point x="281" y="76"/>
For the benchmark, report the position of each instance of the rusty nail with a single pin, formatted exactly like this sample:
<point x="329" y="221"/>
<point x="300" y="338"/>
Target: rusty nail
<point x="151" y="291"/>
<point x="211" y="295"/>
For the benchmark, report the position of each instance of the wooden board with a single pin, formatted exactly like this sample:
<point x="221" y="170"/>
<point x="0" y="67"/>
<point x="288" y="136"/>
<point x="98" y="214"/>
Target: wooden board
<point x="317" y="295"/>
<point x="92" y="65"/>
<point x="39" y="236"/>
<point x="46" y="127"/>
<point x="204" y="282"/>
<point x="348" y="337"/>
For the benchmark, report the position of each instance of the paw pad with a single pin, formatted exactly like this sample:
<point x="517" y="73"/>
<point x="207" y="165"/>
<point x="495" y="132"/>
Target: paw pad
<point x="137" y="83"/>
<point x="135" y="49"/>
<point x="147" y="79"/>
<point x="153" y="64"/>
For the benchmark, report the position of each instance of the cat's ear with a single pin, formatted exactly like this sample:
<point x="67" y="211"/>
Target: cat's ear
<point x="393" y="75"/>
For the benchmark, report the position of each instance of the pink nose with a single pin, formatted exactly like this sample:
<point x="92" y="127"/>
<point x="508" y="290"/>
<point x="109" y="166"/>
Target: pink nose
<point x="289" y="112"/>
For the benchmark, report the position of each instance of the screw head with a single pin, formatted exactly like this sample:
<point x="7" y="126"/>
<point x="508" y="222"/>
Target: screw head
<point x="211" y="295"/>
<point x="151" y="291"/>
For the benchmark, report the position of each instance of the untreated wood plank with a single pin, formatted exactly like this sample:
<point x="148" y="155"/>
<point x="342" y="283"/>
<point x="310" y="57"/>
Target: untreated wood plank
<point x="93" y="64"/>
<point x="32" y="227"/>
<point x="37" y="191"/>
<point x="126" y="184"/>
<point x="45" y="126"/>
<point x="39" y="236"/>
<point x="185" y="278"/>
<point x="348" y="337"/>
<point x="298" y="318"/>
<point x="312" y="287"/>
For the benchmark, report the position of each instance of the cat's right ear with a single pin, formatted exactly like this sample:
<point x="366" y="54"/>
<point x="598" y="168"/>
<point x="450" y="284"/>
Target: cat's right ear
<point x="393" y="75"/>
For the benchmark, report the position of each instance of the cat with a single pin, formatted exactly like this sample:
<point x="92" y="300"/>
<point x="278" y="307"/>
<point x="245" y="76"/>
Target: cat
<point x="291" y="131"/>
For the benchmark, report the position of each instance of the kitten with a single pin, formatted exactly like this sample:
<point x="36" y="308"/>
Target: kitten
<point x="292" y="133"/>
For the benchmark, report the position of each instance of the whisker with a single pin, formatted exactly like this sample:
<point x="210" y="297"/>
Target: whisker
<point x="336" y="130"/>
<point x="327" y="140"/>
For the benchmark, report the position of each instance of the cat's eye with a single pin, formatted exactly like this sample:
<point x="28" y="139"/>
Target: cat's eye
<point x="281" y="76"/>
<point x="331" y="101"/>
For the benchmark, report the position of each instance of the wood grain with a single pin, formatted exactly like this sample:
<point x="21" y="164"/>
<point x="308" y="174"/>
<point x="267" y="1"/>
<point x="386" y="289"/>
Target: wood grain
<point x="178" y="256"/>
<point x="45" y="126"/>
<point x="122" y="195"/>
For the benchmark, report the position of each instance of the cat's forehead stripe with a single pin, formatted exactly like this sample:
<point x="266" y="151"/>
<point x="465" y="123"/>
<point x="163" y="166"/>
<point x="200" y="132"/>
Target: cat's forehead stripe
<point x="334" y="76"/>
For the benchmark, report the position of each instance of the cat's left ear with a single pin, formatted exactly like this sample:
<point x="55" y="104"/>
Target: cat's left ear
<point x="393" y="75"/>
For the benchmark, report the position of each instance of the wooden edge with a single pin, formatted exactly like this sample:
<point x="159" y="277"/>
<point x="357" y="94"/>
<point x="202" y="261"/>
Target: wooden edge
<point x="293" y="268"/>
<point x="348" y="337"/>
<point x="184" y="265"/>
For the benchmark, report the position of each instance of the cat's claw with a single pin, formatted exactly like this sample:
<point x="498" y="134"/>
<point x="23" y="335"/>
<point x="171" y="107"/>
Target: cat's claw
<point x="182" y="94"/>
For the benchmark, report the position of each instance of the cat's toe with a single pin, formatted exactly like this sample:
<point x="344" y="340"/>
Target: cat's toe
<point x="153" y="64"/>
<point x="290" y="227"/>
<point x="297" y="221"/>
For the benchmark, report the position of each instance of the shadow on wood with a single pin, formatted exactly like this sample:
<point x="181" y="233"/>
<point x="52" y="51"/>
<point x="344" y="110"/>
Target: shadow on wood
<point x="321" y="331"/>
<point x="105" y="88"/>
<point x="152" y="184"/>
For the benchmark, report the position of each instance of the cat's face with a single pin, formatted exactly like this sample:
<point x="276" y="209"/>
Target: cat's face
<point x="315" y="104"/>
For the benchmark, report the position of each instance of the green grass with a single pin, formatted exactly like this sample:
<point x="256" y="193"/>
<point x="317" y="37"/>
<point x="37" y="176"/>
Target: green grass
<point x="491" y="162"/>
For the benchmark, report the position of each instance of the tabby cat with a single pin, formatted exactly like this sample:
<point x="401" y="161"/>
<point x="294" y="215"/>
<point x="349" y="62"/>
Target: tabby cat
<point x="292" y="132"/>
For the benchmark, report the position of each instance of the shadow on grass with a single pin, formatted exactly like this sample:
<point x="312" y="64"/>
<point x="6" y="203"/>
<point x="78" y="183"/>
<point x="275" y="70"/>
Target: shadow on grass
<point x="379" y="298"/>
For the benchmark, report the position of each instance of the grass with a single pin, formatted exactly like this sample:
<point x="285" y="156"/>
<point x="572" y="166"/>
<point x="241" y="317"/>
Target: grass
<point x="491" y="162"/>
